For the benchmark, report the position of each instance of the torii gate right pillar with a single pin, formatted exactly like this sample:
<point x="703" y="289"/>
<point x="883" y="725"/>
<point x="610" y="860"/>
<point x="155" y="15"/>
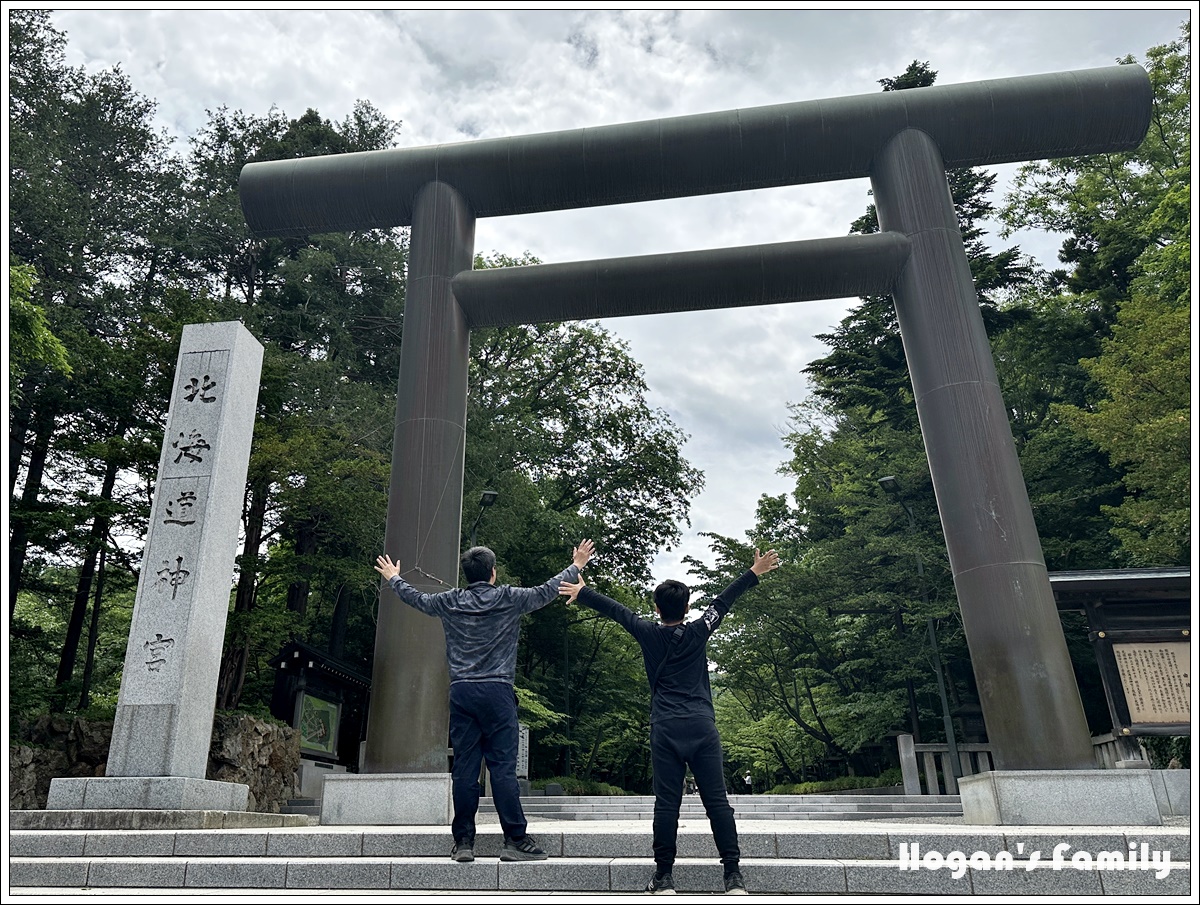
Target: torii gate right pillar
<point x="1027" y="688"/>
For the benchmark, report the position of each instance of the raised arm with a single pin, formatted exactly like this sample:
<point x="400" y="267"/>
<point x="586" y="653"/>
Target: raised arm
<point x="536" y="598"/>
<point x="606" y="606"/>
<point x="426" y="603"/>
<point x="763" y="563"/>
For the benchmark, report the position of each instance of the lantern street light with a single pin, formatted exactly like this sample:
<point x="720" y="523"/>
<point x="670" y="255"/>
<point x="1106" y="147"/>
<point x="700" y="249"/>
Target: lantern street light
<point x="486" y="499"/>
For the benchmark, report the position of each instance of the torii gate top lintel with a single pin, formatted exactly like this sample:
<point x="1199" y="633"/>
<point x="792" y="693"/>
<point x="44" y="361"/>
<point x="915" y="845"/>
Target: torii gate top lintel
<point x="1060" y="114"/>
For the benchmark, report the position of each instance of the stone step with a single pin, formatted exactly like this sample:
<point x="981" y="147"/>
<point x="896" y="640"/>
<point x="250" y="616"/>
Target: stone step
<point x="126" y="819"/>
<point x="613" y="839"/>
<point x="584" y="875"/>
<point x="753" y="807"/>
<point x="308" y="806"/>
<point x="820" y="857"/>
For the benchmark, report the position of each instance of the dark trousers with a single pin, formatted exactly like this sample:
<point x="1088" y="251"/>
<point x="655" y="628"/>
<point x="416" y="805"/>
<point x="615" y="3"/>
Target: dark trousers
<point x="483" y="726"/>
<point x="676" y="745"/>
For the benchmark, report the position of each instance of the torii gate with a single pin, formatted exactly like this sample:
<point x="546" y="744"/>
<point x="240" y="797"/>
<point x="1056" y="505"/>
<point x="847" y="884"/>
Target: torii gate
<point x="903" y="141"/>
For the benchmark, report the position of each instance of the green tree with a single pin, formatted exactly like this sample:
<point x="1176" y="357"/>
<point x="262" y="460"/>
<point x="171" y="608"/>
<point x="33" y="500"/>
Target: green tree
<point x="129" y="242"/>
<point x="31" y="342"/>
<point x="91" y="186"/>
<point x="835" y="651"/>
<point x="1128" y="226"/>
<point x="559" y="426"/>
<point x="328" y="310"/>
<point x="557" y="421"/>
<point x="866" y="364"/>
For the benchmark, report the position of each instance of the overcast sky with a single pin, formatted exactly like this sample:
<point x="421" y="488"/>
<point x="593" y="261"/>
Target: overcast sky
<point x="726" y="378"/>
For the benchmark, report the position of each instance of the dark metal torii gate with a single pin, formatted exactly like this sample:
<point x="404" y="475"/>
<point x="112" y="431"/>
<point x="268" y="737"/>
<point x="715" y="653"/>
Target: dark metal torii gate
<point x="903" y="141"/>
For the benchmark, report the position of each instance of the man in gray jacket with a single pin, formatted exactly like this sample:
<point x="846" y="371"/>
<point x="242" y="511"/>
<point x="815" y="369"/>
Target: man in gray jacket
<point x="482" y="622"/>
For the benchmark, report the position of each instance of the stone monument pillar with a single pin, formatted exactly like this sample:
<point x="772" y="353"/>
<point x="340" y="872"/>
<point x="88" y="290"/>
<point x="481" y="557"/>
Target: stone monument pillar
<point x="159" y="750"/>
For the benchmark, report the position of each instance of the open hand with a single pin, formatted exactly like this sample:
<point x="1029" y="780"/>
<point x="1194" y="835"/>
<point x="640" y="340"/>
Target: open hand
<point x="570" y="591"/>
<point x="385" y="567"/>
<point x="764" y="562"/>
<point x="585" y="551"/>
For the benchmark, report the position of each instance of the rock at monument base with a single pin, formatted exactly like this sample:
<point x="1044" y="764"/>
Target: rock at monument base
<point x="262" y="755"/>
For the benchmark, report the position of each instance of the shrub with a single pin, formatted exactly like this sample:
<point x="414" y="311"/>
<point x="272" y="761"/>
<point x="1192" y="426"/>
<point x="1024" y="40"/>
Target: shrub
<point x="574" y="786"/>
<point x="890" y="777"/>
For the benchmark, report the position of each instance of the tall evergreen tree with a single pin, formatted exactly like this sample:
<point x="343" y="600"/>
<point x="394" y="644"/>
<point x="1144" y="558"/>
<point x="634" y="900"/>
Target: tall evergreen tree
<point x="1127" y="221"/>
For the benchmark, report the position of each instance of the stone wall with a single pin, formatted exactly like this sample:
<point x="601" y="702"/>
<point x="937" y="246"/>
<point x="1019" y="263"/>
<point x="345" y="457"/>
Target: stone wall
<point x="265" y="756"/>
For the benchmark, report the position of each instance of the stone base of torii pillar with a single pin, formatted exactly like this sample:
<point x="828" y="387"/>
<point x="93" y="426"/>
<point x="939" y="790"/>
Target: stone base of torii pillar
<point x="1129" y="797"/>
<point x="386" y="799"/>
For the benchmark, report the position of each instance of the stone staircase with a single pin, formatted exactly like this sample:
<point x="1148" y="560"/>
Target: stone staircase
<point x="747" y="807"/>
<point x="591" y="855"/>
<point x="310" y="807"/>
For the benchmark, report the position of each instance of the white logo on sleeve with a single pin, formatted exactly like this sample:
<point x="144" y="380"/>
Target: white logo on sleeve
<point x="711" y="617"/>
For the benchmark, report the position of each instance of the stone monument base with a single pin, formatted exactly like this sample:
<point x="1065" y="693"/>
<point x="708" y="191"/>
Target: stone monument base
<point x="1061" y="798"/>
<point x="386" y="799"/>
<point x="160" y="793"/>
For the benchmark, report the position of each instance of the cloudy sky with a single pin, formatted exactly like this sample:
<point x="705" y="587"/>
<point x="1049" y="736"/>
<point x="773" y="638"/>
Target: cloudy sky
<point x="726" y="378"/>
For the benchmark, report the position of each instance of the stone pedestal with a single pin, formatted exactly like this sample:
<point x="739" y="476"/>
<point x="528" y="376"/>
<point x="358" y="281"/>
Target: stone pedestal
<point x="386" y="799"/>
<point x="1174" y="791"/>
<point x="1060" y="798"/>
<point x="164" y="793"/>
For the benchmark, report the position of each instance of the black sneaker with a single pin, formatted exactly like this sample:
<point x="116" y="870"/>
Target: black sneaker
<point x="734" y="884"/>
<point x="523" y="849"/>
<point x="661" y="885"/>
<point x="464" y="850"/>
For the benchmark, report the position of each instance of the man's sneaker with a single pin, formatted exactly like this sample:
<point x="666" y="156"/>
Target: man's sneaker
<point x="661" y="885"/>
<point x="464" y="850"/>
<point x="734" y="884"/>
<point x="523" y="849"/>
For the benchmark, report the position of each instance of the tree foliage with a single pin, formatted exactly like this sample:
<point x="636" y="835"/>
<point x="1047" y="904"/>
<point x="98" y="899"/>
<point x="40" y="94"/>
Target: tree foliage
<point x="31" y="343"/>
<point x="1092" y="365"/>
<point x="1128" y="240"/>
<point x="118" y="241"/>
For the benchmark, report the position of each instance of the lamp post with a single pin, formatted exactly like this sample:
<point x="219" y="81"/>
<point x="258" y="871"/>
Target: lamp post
<point x="486" y="499"/>
<point x="891" y="487"/>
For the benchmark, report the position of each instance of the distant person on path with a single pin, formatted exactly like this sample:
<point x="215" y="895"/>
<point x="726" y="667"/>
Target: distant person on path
<point x="482" y="622"/>
<point x="683" y="729"/>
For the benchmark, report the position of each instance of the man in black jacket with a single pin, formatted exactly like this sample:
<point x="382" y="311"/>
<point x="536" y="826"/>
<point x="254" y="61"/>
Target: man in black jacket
<point x="683" y="730"/>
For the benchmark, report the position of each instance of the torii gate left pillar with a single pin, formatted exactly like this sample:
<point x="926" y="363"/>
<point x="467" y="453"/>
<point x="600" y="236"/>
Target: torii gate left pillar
<point x="405" y="779"/>
<point x="406" y="729"/>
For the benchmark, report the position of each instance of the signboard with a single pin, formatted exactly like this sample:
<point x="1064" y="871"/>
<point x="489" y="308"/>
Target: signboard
<point x="318" y="725"/>
<point x="523" y="752"/>
<point x="1157" y="681"/>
